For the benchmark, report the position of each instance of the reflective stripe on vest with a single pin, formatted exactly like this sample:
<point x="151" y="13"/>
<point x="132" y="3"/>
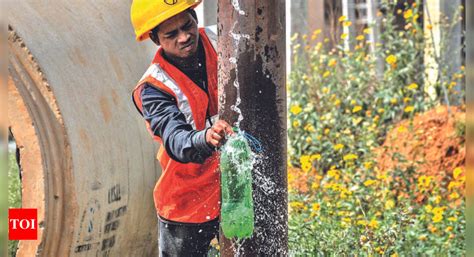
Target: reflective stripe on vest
<point x="186" y="192"/>
<point x="159" y="74"/>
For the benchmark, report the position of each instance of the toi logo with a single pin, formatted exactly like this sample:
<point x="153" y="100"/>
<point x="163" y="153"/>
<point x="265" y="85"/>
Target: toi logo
<point x="22" y="224"/>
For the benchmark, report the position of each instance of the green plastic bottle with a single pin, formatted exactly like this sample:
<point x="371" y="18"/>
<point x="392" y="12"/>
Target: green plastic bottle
<point x="237" y="214"/>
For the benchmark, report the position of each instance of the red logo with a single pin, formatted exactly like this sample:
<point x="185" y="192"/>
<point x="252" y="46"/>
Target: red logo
<point x="22" y="224"/>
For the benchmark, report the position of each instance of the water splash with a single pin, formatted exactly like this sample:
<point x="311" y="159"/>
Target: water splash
<point x="236" y="5"/>
<point x="237" y="37"/>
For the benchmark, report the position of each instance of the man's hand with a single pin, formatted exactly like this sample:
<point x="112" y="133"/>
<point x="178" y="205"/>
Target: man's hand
<point x="215" y="135"/>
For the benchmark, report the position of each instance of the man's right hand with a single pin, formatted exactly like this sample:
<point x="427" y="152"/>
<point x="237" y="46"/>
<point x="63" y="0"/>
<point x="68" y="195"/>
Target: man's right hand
<point x="215" y="135"/>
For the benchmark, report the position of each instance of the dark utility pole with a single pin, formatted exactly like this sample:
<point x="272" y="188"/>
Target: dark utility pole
<point x="252" y="84"/>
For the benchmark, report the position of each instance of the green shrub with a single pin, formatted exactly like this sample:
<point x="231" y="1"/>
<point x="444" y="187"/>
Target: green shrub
<point x="342" y="104"/>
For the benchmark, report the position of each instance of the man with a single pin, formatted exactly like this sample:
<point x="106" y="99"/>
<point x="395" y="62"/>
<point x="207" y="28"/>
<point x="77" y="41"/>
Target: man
<point x="177" y="96"/>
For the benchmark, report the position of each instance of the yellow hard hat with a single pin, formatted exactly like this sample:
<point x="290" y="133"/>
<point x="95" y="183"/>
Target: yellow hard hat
<point x="147" y="14"/>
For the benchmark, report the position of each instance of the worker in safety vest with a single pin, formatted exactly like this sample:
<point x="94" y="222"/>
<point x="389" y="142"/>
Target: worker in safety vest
<point x="177" y="96"/>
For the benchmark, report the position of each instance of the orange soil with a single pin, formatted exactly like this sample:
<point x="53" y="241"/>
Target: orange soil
<point x="428" y="142"/>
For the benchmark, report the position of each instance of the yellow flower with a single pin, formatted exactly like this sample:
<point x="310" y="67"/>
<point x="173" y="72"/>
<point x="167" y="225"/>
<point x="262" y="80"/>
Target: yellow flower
<point x="304" y="159"/>
<point x="306" y="166"/>
<point x="326" y="131"/>
<point x="315" y="34"/>
<point x="347" y="23"/>
<point x="367" y="31"/>
<point x="391" y="59"/>
<point x="394" y="255"/>
<point x="380" y="110"/>
<point x="454" y="196"/>
<point x="382" y="176"/>
<point x="296" y="123"/>
<point x="342" y="18"/>
<point x="360" y="37"/>
<point x="368" y="165"/>
<point x="428" y="208"/>
<point x="437" y="218"/>
<point x="457" y="172"/>
<point x="309" y="139"/>
<point x="333" y="174"/>
<point x="295" y="109"/>
<point x="453" y="219"/>
<point x="424" y="181"/>
<point x="409" y="108"/>
<point x="389" y="204"/>
<point x="337" y="102"/>
<point x="315" y="157"/>
<point x="362" y="222"/>
<point x="325" y="90"/>
<point x="369" y="182"/>
<point x="429" y="27"/>
<point x="346" y="220"/>
<point x="406" y="99"/>
<point x="309" y="128"/>
<point x="438" y="210"/>
<point x="297" y="205"/>
<point x="415" y="18"/>
<point x="349" y="157"/>
<point x="326" y="74"/>
<point x="412" y="86"/>
<point x="294" y="37"/>
<point x="449" y="229"/>
<point x="437" y="199"/>
<point x="373" y="224"/>
<point x="356" y="108"/>
<point x="332" y="63"/>
<point x="393" y="100"/>
<point x="408" y="14"/>
<point x="315" y="207"/>
<point x="452" y="84"/>
<point x="453" y="184"/>
<point x="315" y="185"/>
<point x="402" y="129"/>
<point x="357" y="121"/>
<point x="344" y="35"/>
<point x="422" y="237"/>
<point x="338" y="147"/>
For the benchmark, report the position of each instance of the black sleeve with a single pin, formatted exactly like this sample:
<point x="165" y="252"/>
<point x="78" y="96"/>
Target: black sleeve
<point x="181" y="141"/>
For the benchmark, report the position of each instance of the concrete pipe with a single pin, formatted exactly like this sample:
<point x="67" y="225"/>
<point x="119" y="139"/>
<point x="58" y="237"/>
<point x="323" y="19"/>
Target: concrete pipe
<point x="87" y="161"/>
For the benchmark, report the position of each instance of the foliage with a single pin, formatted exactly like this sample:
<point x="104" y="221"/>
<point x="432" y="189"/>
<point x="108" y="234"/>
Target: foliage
<point x="14" y="194"/>
<point x="343" y="101"/>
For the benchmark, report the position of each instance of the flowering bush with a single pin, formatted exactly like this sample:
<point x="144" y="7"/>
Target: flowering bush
<point x="343" y="102"/>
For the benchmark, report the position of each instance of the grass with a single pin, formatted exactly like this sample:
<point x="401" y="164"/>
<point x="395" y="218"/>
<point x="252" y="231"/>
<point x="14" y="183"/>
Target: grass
<point x="14" y="195"/>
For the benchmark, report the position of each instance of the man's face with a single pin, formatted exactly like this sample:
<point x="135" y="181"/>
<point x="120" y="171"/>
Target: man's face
<point x="179" y="36"/>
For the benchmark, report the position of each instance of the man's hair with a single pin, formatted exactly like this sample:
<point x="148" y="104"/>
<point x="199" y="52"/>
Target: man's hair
<point x="191" y="11"/>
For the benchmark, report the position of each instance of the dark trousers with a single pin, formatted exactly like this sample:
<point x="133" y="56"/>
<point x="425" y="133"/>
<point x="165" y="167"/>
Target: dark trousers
<point x="186" y="239"/>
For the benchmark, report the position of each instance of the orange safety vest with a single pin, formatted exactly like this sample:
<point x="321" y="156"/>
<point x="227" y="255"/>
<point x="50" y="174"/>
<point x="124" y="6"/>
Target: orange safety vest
<point x="186" y="192"/>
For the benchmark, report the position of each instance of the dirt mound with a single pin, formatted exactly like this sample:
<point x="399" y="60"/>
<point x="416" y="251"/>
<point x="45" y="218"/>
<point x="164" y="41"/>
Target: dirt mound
<point x="431" y="144"/>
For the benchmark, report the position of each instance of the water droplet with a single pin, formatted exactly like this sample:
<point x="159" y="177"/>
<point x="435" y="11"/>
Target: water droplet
<point x="200" y="231"/>
<point x="208" y="217"/>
